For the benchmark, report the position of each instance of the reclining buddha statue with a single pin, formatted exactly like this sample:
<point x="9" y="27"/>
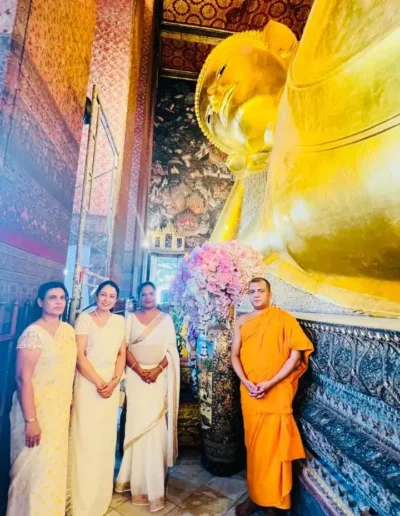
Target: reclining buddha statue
<point x="312" y="133"/>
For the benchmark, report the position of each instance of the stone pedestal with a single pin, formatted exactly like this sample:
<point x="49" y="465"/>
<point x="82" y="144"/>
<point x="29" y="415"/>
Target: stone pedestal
<point x="219" y="398"/>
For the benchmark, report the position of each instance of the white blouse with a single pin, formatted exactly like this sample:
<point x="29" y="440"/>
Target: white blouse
<point x="103" y="342"/>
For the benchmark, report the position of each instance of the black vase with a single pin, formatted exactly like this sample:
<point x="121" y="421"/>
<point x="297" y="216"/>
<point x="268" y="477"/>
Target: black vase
<point x="219" y="399"/>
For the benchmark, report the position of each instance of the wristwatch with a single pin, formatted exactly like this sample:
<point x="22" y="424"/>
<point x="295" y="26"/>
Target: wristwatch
<point x="30" y="420"/>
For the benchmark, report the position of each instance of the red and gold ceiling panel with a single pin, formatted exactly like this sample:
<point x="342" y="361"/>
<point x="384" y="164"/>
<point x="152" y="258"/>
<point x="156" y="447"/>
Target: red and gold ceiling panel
<point x="190" y="28"/>
<point x="187" y="56"/>
<point x="238" y="15"/>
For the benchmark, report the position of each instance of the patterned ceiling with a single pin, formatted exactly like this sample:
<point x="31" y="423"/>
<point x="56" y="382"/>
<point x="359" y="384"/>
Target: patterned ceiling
<point x="191" y="28"/>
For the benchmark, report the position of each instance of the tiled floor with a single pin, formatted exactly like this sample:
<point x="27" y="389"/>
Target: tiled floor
<point x="191" y="491"/>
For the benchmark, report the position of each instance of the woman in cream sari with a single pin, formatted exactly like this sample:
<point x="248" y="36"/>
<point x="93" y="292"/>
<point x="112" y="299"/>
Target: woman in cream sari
<point x="46" y="358"/>
<point x="101" y="361"/>
<point x="152" y="389"/>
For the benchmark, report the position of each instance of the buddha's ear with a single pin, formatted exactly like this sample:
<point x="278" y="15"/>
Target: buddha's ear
<point x="236" y="164"/>
<point x="280" y="40"/>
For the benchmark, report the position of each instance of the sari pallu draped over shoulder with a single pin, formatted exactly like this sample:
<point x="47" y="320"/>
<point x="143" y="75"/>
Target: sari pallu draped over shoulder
<point x="151" y="443"/>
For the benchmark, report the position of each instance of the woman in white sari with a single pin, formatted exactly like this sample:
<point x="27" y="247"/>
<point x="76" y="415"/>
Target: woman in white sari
<point x="46" y="357"/>
<point x="152" y="390"/>
<point x="100" y="337"/>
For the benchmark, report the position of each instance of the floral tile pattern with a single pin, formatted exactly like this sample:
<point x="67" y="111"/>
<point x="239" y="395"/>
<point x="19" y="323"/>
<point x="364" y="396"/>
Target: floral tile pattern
<point x="109" y="70"/>
<point x="41" y="121"/>
<point x="238" y="15"/>
<point x="232" y="15"/>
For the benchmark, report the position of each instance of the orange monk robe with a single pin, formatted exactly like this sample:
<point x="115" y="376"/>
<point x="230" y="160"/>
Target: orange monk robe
<point x="271" y="434"/>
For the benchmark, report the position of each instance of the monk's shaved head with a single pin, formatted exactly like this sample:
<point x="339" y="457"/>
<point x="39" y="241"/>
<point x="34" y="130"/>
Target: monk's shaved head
<point x="260" y="280"/>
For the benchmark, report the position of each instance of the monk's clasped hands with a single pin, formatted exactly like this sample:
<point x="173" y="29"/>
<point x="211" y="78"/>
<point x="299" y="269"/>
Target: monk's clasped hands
<point x="258" y="390"/>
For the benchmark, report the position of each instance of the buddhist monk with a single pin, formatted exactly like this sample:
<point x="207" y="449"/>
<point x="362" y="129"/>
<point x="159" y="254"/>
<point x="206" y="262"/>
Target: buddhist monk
<point x="269" y="354"/>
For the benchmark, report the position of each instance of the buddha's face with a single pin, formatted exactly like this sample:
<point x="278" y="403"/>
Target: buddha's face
<point x="238" y="98"/>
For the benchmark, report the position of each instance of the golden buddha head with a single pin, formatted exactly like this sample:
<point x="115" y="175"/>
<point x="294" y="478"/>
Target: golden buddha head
<point x="239" y="89"/>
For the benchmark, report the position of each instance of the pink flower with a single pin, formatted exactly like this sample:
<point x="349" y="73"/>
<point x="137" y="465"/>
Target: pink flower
<point x="212" y="279"/>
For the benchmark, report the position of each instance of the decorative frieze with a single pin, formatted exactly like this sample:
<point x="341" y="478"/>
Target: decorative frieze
<point x="348" y="410"/>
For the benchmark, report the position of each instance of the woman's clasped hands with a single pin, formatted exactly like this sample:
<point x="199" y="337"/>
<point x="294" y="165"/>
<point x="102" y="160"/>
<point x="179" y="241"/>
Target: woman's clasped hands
<point x="148" y="375"/>
<point x="105" y="389"/>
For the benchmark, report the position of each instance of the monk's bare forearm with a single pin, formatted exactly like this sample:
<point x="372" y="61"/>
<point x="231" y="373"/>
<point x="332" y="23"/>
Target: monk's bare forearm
<point x="291" y="364"/>
<point x="235" y="353"/>
<point x="238" y="368"/>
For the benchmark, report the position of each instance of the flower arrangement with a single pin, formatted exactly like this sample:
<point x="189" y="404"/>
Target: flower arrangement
<point x="212" y="279"/>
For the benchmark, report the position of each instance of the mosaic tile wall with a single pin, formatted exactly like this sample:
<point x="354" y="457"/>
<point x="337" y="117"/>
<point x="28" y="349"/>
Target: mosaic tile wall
<point x="42" y="102"/>
<point x="189" y="181"/>
<point x="348" y="410"/>
<point x="109" y="70"/>
<point x="131" y="215"/>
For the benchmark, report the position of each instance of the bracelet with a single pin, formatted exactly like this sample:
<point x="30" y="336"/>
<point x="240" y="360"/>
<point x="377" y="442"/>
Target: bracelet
<point x="161" y="367"/>
<point x="115" y="378"/>
<point x="133" y="366"/>
<point x="30" y="420"/>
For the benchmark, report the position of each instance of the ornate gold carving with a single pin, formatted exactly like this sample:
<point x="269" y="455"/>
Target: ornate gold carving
<point x="330" y="221"/>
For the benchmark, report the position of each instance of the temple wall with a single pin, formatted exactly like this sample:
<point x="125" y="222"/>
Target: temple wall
<point x="189" y="180"/>
<point x="132" y="201"/>
<point x="348" y="410"/>
<point x="8" y="11"/>
<point x="110" y="72"/>
<point x="44" y="68"/>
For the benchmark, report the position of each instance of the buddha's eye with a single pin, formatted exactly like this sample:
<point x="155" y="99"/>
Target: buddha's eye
<point x="209" y="116"/>
<point x="221" y="71"/>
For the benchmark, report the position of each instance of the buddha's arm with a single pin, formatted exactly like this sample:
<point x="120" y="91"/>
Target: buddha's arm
<point x="228" y="223"/>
